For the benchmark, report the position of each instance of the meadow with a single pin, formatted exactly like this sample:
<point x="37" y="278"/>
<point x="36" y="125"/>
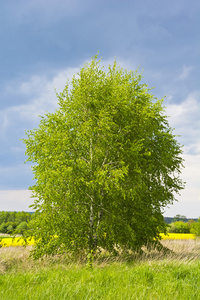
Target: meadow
<point x="152" y="275"/>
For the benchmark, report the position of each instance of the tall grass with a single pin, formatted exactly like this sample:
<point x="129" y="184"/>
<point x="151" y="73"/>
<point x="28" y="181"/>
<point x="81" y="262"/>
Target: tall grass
<point x="152" y="275"/>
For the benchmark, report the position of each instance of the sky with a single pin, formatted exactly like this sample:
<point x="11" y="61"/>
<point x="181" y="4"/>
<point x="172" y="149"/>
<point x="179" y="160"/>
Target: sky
<point x="44" y="42"/>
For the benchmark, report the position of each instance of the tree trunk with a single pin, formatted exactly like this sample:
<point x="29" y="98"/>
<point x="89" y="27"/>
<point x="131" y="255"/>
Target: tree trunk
<point x="91" y="229"/>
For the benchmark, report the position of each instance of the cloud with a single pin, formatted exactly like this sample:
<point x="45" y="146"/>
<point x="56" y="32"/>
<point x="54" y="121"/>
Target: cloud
<point x="185" y="111"/>
<point x="185" y="73"/>
<point x="16" y="119"/>
<point x="14" y="173"/>
<point x="40" y="94"/>
<point x="189" y="201"/>
<point x="15" y="200"/>
<point x="184" y="117"/>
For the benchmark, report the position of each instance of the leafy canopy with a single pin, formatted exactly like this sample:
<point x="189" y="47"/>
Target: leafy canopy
<point x="106" y="163"/>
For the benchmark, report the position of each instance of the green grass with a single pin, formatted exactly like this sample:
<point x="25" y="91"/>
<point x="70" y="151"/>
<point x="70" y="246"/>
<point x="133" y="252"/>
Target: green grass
<point x="163" y="280"/>
<point x="150" y="276"/>
<point x="116" y="281"/>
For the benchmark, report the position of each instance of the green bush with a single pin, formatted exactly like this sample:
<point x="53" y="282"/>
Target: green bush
<point x="195" y="228"/>
<point x="3" y="228"/>
<point x="10" y="229"/>
<point x="179" y="227"/>
<point x="21" y="227"/>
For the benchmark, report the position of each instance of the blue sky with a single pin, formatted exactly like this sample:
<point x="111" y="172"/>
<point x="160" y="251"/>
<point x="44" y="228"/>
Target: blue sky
<point x="44" y="42"/>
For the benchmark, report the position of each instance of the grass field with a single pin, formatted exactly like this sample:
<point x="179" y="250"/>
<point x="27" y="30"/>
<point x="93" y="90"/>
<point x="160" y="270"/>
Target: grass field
<point x="152" y="275"/>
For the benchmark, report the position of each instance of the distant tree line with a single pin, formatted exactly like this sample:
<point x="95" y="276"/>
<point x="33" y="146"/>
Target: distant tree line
<point x="180" y="224"/>
<point x="14" y="222"/>
<point x="177" y="218"/>
<point x="17" y="223"/>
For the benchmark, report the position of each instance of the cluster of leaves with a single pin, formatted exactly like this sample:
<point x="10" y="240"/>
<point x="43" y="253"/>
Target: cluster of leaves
<point x="14" y="222"/>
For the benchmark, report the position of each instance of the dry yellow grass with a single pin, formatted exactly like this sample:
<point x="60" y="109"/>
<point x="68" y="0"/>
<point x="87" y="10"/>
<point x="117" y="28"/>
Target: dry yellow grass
<point x="183" y="247"/>
<point x="13" y="256"/>
<point x="181" y="250"/>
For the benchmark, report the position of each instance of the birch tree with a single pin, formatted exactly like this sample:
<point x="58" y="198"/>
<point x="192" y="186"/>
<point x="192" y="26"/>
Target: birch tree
<point x="105" y="163"/>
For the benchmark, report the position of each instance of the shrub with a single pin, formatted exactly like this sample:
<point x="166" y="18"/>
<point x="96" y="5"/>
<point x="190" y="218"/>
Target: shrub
<point x="179" y="227"/>
<point x="195" y="228"/>
<point x="21" y="227"/>
<point x="3" y="228"/>
<point x="10" y="229"/>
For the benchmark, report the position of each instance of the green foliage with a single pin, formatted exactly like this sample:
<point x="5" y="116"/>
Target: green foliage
<point x="9" y="227"/>
<point x="4" y="217"/>
<point x="191" y="226"/>
<point x="3" y="227"/>
<point x="179" y="227"/>
<point x="10" y="220"/>
<point x="195" y="228"/>
<point x="106" y="163"/>
<point x="21" y="227"/>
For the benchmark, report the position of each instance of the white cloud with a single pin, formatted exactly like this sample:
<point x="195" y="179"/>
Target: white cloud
<point x="184" y="117"/>
<point x="189" y="202"/>
<point x="4" y="123"/>
<point x="41" y="97"/>
<point x="15" y="200"/>
<point x="185" y="72"/>
<point x="185" y="109"/>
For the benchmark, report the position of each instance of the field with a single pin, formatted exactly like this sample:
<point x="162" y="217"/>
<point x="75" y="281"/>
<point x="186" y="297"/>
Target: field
<point x="178" y="236"/>
<point x="152" y="275"/>
<point x="7" y="241"/>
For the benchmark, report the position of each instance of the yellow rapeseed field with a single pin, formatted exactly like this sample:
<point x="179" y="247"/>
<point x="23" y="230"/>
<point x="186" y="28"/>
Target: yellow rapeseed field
<point x="177" y="236"/>
<point x="16" y="241"/>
